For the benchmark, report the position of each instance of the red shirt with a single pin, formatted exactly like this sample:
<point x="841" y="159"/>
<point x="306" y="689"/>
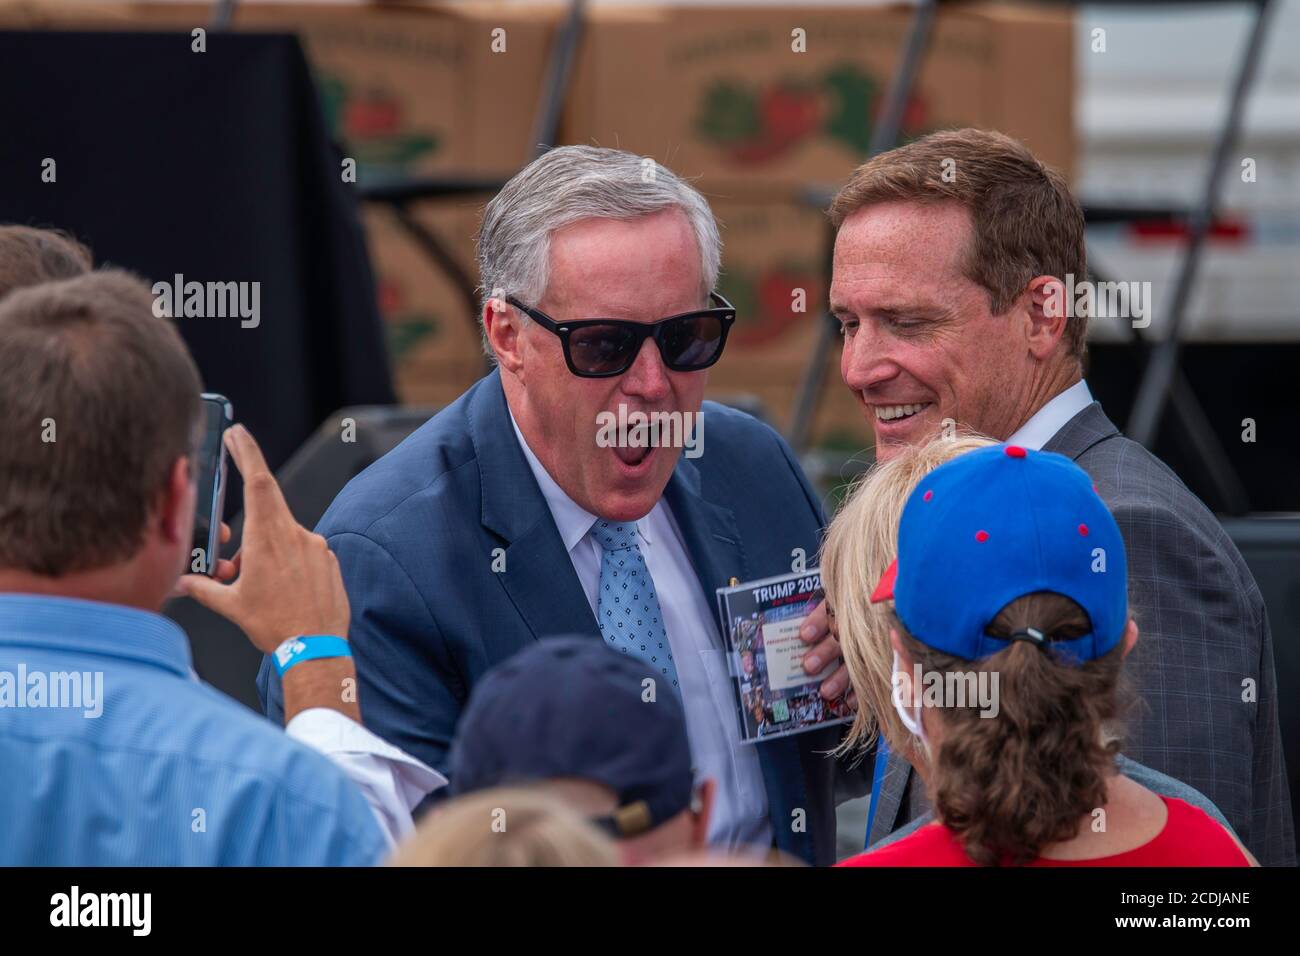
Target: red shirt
<point x="1190" y="837"/>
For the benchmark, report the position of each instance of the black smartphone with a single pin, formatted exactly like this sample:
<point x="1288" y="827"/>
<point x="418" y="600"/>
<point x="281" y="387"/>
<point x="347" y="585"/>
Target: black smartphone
<point x="216" y="415"/>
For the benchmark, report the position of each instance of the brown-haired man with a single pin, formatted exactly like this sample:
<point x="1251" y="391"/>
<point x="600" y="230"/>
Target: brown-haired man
<point x="101" y="716"/>
<point x="949" y="258"/>
<point x="30" y="256"/>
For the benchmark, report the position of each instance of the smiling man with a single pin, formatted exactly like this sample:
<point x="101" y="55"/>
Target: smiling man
<point x="950" y="257"/>
<point x="507" y="518"/>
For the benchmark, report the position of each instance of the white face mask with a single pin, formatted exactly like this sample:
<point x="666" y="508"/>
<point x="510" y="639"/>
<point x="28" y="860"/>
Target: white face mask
<point x="910" y="716"/>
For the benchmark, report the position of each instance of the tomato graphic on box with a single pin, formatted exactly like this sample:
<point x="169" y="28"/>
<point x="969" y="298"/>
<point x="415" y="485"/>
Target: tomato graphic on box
<point x="372" y="126"/>
<point x="406" y="328"/>
<point x="755" y="127"/>
<point x="372" y="115"/>
<point x="758" y="125"/>
<point x="765" y="301"/>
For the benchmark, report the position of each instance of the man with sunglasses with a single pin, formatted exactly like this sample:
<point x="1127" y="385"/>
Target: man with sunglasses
<point x="505" y="519"/>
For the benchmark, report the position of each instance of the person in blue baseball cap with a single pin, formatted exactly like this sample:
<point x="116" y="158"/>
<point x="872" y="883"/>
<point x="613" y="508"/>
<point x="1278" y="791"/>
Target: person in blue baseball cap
<point x="582" y="721"/>
<point x="1010" y="624"/>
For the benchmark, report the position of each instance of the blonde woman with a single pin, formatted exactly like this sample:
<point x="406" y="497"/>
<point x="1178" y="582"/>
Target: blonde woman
<point x="860" y="544"/>
<point x="506" y="827"/>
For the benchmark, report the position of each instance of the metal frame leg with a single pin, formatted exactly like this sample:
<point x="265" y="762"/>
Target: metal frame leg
<point x="1154" y="390"/>
<point x="884" y="134"/>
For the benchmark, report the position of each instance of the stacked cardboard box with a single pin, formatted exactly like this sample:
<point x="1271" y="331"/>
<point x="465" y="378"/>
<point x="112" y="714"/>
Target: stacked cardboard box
<point x="759" y="104"/>
<point x="754" y="104"/>
<point x="423" y="90"/>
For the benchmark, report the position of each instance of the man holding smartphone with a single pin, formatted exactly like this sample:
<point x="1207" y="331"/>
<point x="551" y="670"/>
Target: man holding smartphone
<point x="101" y="714"/>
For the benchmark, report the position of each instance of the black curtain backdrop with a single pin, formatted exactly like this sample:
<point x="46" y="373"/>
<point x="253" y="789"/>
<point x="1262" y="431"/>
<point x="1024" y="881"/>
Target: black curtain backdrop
<point x="216" y="166"/>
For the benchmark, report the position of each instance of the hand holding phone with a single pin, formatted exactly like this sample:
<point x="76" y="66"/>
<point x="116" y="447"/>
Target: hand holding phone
<point x="289" y="581"/>
<point x="216" y="416"/>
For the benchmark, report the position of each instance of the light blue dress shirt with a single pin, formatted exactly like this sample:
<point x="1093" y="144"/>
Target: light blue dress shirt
<point x="115" y="754"/>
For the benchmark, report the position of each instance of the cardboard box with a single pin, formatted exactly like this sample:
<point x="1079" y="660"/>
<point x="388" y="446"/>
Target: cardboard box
<point x="433" y="338"/>
<point x="772" y="100"/>
<point x="391" y="82"/>
<point x="773" y="272"/>
<point x="417" y="90"/>
<point x="509" y="49"/>
<point x="420" y="89"/>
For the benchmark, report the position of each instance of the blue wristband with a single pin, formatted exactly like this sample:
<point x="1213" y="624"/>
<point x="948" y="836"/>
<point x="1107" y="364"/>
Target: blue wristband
<point x="309" y="647"/>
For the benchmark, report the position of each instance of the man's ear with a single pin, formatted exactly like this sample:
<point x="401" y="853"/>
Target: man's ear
<point x="700" y="828"/>
<point x="1130" y="637"/>
<point x="504" y="327"/>
<point x="1047" y="314"/>
<point x="177" y="501"/>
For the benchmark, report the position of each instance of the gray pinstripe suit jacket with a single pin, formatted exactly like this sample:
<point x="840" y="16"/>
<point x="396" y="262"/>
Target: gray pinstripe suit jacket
<point x="1204" y="634"/>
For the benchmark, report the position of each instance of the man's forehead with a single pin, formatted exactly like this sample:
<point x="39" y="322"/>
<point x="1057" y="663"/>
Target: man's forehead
<point x="591" y="267"/>
<point x="900" y="256"/>
<point x="887" y="291"/>
<point x="614" y="302"/>
<point x="903" y="235"/>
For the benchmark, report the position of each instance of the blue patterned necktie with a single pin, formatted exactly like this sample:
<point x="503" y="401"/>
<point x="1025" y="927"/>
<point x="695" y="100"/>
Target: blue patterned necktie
<point x="627" y="608"/>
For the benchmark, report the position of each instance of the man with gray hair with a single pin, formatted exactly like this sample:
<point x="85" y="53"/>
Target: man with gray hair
<point x="511" y="516"/>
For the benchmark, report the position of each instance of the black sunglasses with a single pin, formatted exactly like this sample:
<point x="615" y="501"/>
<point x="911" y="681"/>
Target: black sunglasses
<point x="600" y="348"/>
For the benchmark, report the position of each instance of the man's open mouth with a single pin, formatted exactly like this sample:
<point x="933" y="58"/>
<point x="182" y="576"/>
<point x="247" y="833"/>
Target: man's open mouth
<point x="631" y="456"/>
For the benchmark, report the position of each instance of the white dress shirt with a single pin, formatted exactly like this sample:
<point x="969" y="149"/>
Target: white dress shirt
<point x="1051" y="418"/>
<point x="392" y="781"/>
<point x="740" y="808"/>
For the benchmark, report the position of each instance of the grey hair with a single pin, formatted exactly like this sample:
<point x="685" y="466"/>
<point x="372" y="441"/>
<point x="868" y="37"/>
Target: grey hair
<point x="568" y="184"/>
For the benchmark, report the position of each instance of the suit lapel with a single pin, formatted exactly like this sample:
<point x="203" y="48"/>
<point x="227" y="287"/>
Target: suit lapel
<point x="888" y="806"/>
<point x="709" y="532"/>
<point x="1081" y="432"/>
<point x="538" y="576"/>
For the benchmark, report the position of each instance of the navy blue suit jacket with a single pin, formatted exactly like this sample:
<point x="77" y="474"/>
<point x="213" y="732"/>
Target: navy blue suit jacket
<point x="415" y="534"/>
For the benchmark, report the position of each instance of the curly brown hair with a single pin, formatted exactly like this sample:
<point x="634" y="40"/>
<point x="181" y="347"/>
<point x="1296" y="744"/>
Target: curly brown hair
<point x="1010" y="785"/>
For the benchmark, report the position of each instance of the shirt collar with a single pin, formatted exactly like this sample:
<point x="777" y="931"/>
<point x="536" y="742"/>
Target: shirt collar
<point x="571" y="519"/>
<point x="92" y="627"/>
<point x="1051" y="418"/>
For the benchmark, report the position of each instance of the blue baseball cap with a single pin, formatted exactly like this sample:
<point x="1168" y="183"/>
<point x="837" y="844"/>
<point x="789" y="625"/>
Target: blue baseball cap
<point x="570" y="707"/>
<point x="994" y="525"/>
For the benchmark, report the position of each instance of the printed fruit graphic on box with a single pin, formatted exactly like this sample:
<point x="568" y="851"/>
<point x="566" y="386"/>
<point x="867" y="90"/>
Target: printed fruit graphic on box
<point x="406" y="327"/>
<point x="758" y="125"/>
<point x="370" y="125"/>
<point x="766" y="301"/>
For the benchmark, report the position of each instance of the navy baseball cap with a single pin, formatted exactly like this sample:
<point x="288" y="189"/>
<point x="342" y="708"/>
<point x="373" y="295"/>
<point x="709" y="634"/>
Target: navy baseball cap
<point x="572" y="707"/>
<point x="994" y="525"/>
